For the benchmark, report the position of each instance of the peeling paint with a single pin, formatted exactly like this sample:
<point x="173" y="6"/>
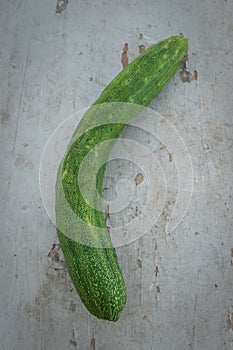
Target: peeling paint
<point x="61" y="5"/>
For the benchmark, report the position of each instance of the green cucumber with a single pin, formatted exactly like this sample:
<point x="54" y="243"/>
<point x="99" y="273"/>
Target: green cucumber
<point x="90" y="257"/>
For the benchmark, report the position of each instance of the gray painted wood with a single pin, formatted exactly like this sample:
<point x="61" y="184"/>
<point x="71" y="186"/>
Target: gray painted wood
<point x="179" y="286"/>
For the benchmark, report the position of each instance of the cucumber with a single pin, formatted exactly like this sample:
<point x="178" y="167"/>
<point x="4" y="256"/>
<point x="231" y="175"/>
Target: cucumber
<point x="90" y="257"/>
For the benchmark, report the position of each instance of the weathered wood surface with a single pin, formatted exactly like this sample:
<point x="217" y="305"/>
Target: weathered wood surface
<point x="180" y="290"/>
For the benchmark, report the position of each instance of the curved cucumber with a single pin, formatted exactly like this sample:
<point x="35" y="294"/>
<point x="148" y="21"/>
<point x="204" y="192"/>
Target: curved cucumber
<point x="90" y="257"/>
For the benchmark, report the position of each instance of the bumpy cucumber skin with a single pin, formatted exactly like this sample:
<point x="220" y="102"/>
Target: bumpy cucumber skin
<point x="142" y="80"/>
<point x="95" y="271"/>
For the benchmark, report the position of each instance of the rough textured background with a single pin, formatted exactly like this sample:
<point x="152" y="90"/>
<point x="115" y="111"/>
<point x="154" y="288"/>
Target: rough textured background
<point x="180" y="290"/>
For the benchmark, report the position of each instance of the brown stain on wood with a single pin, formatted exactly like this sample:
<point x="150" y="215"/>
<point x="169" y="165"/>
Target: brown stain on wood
<point x="54" y="252"/>
<point x="141" y="46"/>
<point x="106" y="214"/>
<point x="139" y="263"/>
<point x="92" y="347"/>
<point x="230" y="320"/>
<point x="184" y="60"/>
<point x="124" y="59"/>
<point x="195" y="75"/>
<point x="126" y="48"/>
<point x="139" y="178"/>
<point x="61" y="5"/>
<point x="124" y="56"/>
<point x="185" y="75"/>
